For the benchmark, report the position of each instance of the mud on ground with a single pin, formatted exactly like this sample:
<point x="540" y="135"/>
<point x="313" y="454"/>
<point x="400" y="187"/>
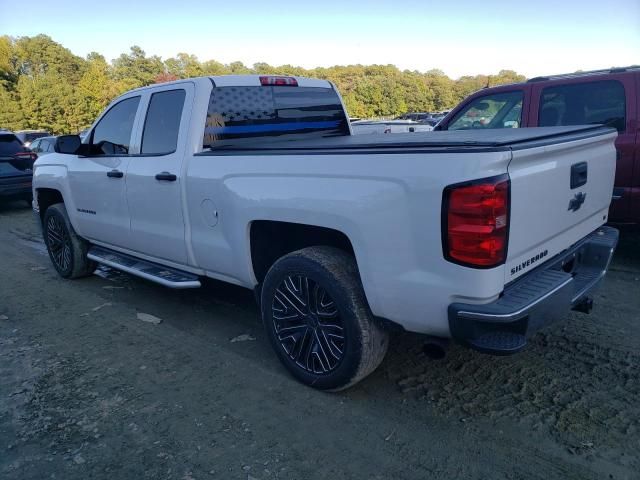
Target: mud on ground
<point x="90" y="390"/>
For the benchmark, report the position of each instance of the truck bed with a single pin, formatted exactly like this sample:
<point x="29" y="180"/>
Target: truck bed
<point x="456" y="140"/>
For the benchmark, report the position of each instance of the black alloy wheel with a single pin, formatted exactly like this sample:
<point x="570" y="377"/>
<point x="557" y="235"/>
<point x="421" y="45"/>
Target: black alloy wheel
<point x="67" y="250"/>
<point x="59" y="243"/>
<point x="317" y="318"/>
<point x="308" y="325"/>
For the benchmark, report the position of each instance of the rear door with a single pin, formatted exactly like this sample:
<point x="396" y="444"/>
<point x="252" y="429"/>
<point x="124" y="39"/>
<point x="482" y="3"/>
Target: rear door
<point x="609" y="101"/>
<point x="155" y="176"/>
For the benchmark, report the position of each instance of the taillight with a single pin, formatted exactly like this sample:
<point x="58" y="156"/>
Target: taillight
<point x="271" y="81"/>
<point x="476" y="222"/>
<point x="26" y="156"/>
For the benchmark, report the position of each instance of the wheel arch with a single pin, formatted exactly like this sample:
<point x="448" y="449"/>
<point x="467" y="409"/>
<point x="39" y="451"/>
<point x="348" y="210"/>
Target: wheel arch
<point x="46" y="197"/>
<point x="270" y="240"/>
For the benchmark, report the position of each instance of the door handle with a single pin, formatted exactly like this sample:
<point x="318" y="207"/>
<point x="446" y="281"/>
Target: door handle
<point x="166" y="177"/>
<point x="115" y="174"/>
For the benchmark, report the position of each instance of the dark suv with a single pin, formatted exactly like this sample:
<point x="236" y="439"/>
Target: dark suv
<point x="608" y="96"/>
<point x="16" y="167"/>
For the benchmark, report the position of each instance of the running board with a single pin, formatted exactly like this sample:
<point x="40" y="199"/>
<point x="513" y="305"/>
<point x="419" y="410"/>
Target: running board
<point x="169" y="277"/>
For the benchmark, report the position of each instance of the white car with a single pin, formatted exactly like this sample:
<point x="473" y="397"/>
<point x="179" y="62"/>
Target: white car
<point x="480" y="236"/>
<point x="364" y="127"/>
<point x="28" y="136"/>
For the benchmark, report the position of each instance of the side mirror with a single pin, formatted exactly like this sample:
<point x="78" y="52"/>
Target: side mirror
<point x="68" y="144"/>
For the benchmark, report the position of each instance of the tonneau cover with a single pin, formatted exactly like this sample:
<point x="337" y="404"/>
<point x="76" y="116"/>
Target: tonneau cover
<point x="493" y="139"/>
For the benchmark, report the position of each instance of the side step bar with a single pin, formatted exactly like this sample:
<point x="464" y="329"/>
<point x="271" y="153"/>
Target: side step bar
<point x="169" y="277"/>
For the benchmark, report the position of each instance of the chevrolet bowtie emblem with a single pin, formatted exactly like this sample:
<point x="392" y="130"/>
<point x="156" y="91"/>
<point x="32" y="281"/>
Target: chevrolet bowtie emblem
<point x="576" y="202"/>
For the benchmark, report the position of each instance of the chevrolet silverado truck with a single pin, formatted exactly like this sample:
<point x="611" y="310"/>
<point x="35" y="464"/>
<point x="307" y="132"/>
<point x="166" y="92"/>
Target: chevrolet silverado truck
<point x="482" y="237"/>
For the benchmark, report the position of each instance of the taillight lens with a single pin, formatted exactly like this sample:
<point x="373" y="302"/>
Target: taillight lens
<point x="268" y="81"/>
<point x="26" y="156"/>
<point x="476" y="222"/>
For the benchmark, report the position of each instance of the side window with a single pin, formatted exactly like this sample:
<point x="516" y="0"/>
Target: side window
<point x="161" y="127"/>
<point x="501" y="110"/>
<point x="113" y="133"/>
<point x="35" y="146"/>
<point x="584" y="103"/>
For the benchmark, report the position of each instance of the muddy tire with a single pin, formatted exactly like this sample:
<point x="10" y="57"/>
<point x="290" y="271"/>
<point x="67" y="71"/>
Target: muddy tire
<point x="67" y="251"/>
<point x="318" y="321"/>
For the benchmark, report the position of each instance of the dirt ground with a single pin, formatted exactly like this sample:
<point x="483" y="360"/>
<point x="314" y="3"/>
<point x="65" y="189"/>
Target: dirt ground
<point x="88" y="390"/>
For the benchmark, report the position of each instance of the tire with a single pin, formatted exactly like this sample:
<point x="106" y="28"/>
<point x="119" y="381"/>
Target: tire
<point x="67" y="251"/>
<point x="318" y="321"/>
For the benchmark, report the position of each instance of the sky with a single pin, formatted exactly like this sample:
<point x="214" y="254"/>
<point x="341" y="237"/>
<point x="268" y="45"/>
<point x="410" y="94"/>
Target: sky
<point x="462" y="37"/>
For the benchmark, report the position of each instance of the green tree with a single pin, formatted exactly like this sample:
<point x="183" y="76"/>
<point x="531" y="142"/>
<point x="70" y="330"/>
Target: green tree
<point x="47" y="101"/>
<point x="40" y="54"/>
<point x="184" y="65"/>
<point x="10" y="113"/>
<point x="136" y="69"/>
<point x="211" y="67"/>
<point x="95" y="90"/>
<point x="8" y="74"/>
<point x="44" y="85"/>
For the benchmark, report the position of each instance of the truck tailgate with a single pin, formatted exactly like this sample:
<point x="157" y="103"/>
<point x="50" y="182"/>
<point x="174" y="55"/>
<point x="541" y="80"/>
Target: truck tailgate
<point x="560" y="192"/>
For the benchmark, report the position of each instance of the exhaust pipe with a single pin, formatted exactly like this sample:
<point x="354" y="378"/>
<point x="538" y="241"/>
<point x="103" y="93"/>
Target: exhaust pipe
<point x="435" y="347"/>
<point x="584" y="306"/>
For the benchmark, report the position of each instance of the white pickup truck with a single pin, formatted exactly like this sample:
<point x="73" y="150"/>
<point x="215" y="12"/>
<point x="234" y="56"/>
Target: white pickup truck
<point x="482" y="237"/>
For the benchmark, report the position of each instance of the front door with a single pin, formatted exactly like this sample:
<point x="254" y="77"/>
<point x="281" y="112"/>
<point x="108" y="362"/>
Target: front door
<point x="97" y="181"/>
<point x="155" y="176"/>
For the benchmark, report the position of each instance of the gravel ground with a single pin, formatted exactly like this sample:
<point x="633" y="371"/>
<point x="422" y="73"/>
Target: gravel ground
<point x="92" y="387"/>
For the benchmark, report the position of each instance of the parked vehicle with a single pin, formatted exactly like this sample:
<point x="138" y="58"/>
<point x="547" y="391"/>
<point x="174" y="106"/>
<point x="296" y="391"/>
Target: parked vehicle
<point x="28" y="136"/>
<point x="257" y="181"/>
<point x="610" y="97"/>
<point x="16" y="168"/>
<point x="43" y="146"/>
<point x="388" y="126"/>
<point x="422" y="117"/>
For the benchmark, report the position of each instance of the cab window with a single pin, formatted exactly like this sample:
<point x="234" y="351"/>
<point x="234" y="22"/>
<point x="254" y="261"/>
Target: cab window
<point x="500" y="110"/>
<point x="112" y="135"/>
<point x="161" y="127"/>
<point x="582" y="104"/>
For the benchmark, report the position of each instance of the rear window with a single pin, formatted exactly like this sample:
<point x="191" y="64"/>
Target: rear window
<point x="9" y="144"/>
<point x="240" y="115"/>
<point x="584" y="103"/>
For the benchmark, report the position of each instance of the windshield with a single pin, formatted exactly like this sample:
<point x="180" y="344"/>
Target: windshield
<point x="501" y="110"/>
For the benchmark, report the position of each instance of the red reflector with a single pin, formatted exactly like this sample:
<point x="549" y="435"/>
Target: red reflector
<point x="269" y="81"/>
<point x="26" y="155"/>
<point x="476" y="222"/>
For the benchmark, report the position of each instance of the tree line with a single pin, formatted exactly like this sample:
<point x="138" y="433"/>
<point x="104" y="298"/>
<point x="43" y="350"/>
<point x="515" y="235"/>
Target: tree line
<point x="43" y="85"/>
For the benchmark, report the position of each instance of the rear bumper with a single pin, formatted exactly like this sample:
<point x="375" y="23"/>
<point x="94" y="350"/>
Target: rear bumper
<point x="539" y="298"/>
